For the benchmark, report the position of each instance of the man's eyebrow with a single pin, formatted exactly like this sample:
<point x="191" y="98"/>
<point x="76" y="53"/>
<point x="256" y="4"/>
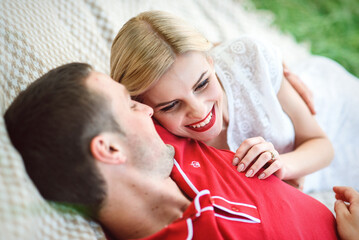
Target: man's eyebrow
<point x="200" y="78"/>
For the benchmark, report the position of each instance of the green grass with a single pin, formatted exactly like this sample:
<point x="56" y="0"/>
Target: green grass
<point x="331" y="26"/>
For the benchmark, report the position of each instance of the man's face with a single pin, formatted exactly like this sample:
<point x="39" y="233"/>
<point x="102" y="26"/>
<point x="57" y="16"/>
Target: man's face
<point x="144" y="147"/>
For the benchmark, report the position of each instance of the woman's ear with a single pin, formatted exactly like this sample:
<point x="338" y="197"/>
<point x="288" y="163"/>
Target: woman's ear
<point x="105" y="148"/>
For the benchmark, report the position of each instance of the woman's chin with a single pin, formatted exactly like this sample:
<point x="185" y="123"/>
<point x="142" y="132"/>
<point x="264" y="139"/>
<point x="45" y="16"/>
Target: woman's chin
<point x="208" y="137"/>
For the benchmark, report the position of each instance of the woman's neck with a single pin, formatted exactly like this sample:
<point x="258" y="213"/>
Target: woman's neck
<point x="220" y="142"/>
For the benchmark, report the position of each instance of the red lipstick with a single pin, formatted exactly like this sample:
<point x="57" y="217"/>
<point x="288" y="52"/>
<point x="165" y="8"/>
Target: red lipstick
<point x="207" y="126"/>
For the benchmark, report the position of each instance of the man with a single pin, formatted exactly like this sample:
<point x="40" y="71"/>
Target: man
<point x="347" y="211"/>
<point x="85" y="142"/>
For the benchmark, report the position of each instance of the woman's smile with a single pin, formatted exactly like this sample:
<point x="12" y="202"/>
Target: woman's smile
<point x="205" y="123"/>
<point x="188" y="98"/>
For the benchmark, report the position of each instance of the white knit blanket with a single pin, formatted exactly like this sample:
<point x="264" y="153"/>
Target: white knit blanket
<point x="38" y="35"/>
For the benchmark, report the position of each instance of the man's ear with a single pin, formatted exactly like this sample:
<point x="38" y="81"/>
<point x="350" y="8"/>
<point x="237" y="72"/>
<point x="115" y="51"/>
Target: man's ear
<point x="106" y="149"/>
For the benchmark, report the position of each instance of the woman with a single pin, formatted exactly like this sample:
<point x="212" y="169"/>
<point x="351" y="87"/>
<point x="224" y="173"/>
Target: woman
<point x="226" y="96"/>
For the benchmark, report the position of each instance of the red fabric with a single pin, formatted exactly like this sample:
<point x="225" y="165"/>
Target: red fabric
<point x="198" y="222"/>
<point x="283" y="211"/>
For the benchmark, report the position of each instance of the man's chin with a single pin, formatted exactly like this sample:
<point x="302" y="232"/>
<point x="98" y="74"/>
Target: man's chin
<point x="171" y="150"/>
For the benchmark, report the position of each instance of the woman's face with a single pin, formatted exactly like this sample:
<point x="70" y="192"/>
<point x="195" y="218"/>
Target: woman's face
<point x="188" y="99"/>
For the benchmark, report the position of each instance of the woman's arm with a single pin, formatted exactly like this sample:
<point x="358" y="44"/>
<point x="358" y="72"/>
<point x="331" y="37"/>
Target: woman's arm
<point x="313" y="149"/>
<point x="304" y="92"/>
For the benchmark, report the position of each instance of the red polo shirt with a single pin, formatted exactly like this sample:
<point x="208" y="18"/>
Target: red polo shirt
<point x="240" y="207"/>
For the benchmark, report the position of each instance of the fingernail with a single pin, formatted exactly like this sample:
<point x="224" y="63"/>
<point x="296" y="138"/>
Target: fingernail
<point x="261" y="176"/>
<point x="240" y="167"/>
<point x="235" y="161"/>
<point x="249" y="173"/>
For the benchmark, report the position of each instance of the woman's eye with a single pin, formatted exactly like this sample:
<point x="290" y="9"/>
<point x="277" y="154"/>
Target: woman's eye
<point x="169" y="107"/>
<point x="202" y="85"/>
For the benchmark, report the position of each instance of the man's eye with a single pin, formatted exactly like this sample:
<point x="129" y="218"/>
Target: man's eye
<point x="202" y="85"/>
<point x="169" y="107"/>
<point x="133" y="105"/>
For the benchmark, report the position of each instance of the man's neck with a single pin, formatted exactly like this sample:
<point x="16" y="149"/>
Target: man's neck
<point x="143" y="209"/>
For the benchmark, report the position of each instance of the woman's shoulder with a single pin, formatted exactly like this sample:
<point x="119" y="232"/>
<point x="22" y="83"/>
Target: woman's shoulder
<point x="245" y="45"/>
<point x="238" y="45"/>
<point x="247" y="56"/>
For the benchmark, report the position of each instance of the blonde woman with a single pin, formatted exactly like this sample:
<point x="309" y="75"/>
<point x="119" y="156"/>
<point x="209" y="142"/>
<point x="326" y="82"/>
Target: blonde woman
<point x="233" y="96"/>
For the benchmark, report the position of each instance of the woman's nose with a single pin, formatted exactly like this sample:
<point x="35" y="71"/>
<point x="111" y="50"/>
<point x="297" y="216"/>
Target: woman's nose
<point x="196" y="110"/>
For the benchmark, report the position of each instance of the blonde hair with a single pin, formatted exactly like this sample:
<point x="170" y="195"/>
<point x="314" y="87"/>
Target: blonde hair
<point x="146" y="47"/>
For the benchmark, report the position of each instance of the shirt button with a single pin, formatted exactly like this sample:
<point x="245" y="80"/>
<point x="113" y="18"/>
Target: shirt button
<point x="235" y="209"/>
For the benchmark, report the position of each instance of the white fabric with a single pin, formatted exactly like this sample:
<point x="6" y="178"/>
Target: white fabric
<point x="336" y="98"/>
<point x="38" y="35"/>
<point x="245" y="67"/>
<point x="251" y="74"/>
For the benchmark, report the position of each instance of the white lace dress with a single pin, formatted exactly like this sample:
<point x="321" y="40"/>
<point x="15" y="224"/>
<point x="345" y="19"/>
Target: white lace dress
<point x="251" y="74"/>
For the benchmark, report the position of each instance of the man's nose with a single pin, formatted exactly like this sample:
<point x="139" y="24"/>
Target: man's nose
<point x="146" y="109"/>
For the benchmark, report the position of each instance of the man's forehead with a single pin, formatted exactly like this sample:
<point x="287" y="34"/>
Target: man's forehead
<point x="104" y="83"/>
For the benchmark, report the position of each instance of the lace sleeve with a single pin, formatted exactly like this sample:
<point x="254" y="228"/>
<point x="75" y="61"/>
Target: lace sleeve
<point x="273" y="59"/>
<point x="249" y="51"/>
<point x="251" y="75"/>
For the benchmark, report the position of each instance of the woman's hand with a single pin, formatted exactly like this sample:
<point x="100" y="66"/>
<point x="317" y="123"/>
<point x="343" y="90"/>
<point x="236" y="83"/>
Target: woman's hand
<point x="347" y="210"/>
<point x="304" y="92"/>
<point x="255" y="153"/>
<point x="298" y="183"/>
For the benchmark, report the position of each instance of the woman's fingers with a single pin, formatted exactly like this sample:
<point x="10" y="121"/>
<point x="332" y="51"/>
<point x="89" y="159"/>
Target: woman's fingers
<point x="254" y="154"/>
<point x="272" y="168"/>
<point x="264" y="159"/>
<point x="244" y="148"/>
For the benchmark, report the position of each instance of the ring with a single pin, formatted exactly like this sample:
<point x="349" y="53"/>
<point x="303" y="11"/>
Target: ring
<point x="272" y="154"/>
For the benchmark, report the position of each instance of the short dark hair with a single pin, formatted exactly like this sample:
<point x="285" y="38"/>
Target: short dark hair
<point x="51" y="124"/>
